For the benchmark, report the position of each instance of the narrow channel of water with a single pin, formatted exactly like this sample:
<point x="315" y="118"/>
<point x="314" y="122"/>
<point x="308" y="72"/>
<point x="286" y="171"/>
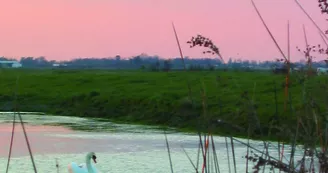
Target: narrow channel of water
<point x="119" y="147"/>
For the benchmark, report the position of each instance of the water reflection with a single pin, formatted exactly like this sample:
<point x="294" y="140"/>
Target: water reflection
<point x="128" y="148"/>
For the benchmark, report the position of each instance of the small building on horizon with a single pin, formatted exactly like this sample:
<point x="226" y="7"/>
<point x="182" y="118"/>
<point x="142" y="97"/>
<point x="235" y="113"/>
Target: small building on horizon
<point x="10" y="64"/>
<point x="59" y="65"/>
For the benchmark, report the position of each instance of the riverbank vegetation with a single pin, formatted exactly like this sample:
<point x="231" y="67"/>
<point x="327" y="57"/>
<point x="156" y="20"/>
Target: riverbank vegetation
<point x="162" y="98"/>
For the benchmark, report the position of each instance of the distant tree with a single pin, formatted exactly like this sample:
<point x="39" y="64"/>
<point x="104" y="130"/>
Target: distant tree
<point x="2" y="58"/>
<point x="211" y="67"/>
<point x="118" y="58"/>
<point x="154" y="63"/>
<point x="157" y="65"/>
<point x="137" y="60"/>
<point x="167" y="65"/>
<point x="230" y="62"/>
<point x="28" y="61"/>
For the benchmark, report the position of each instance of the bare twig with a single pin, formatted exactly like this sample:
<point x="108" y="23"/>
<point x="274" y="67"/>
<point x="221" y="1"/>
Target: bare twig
<point x="315" y="24"/>
<point x="168" y="151"/>
<point x="272" y="37"/>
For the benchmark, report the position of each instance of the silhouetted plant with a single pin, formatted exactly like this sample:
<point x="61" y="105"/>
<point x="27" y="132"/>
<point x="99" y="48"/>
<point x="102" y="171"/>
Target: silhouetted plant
<point x="202" y="41"/>
<point x="323" y="4"/>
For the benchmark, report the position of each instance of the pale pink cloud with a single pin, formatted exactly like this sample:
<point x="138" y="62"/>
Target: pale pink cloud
<point x="64" y="29"/>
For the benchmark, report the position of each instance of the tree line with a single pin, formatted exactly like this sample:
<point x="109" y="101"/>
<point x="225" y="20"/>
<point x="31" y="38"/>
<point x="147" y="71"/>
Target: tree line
<point x="152" y="63"/>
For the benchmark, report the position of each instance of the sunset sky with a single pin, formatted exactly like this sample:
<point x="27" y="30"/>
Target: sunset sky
<point x="68" y="29"/>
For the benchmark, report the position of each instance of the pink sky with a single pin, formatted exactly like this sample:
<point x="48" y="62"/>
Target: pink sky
<point x="67" y="29"/>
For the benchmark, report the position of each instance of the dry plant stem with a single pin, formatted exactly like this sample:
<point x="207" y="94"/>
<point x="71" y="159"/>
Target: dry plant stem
<point x="27" y="142"/>
<point x="168" y="151"/>
<point x="315" y="24"/>
<point x="326" y="137"/>
<point x="307" y="54"/>
<point x="278" y="47"/>
<point x="199" y="147"/>
<point x="319" y="132"/>
<point x="13" y="130"/>
<point x="226" y="141"/>
<point x="312" y="164"/>
<point x="291" y="161"/>
<point x="294" y="142"/>
<point x="184" y="64"/>
<point x="197" y="159"/>
<point x="265" y="144"/>
<point x="206" y="138"/>
<point x="266" y="147"/>
<point x="249" y="133"/>
<point x="11" y="143"/>
<point x="282" y="152"/>
<point x="205" y="153"/>
<point x="248" y="130"/>
<point x="23" y="127"/>
<point x="257" y="150"/>
<point x="323" y="39"/>
<point x="272" y="37"/>
<point x="221" y="57"/>
<point x="201" y="144"/>
<point x="178" y="42"/>
<point x="276" y="102"/>
<point x="216" y="162"/>
<point x="288" y="67"/>
<point x="203" y="99"/>
<point x="208" y="153"/>
<point x="305" y="37"/>
<point x="188" y="85"/>
<point x="233" y="154"/>
<point x="251" y="102"/>
<point x="189" y="159"/>
<point x="208" y="164"/>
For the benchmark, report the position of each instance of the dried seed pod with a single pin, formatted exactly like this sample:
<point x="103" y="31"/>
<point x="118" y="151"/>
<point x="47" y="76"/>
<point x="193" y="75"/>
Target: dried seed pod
<point x="201" y="41"/>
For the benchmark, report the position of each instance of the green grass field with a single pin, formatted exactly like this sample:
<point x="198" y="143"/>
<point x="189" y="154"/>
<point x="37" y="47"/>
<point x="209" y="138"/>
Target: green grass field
<point x="161" y="98"/>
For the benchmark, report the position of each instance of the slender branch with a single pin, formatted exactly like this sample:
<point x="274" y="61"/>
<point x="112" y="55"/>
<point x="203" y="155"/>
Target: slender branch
<point x="315" y="24"/>
<point x="274" y="40"/>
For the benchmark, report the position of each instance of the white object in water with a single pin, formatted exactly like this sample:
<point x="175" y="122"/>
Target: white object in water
<point x="87" y="167"/>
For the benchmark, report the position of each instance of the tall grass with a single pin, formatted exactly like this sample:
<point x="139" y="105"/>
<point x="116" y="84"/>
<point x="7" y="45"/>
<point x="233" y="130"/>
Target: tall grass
<point x="306" y="124"/>
<point x="310" y="128"/>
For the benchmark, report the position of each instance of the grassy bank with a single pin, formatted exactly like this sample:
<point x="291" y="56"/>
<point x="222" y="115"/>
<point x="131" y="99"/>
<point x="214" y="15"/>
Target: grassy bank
<point x="161" y="98"/>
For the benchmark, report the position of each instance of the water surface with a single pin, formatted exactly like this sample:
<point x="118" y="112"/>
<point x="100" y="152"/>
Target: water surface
<point x="119" y="147"/>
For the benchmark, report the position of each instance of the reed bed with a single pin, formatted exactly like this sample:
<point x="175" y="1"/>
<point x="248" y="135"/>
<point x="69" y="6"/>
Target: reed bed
<point x="309" y="136"/>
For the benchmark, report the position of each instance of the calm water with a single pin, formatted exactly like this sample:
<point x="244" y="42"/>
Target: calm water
<point x="119" y="147"/>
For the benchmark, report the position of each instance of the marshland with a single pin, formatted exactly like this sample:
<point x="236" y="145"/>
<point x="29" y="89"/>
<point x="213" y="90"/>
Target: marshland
<point x="148" y="114"/>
